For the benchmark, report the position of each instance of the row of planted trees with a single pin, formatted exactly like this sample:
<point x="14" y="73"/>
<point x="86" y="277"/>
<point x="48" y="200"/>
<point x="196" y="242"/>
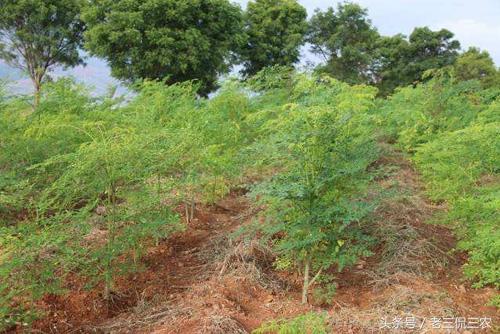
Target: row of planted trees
<point x="88" y="183"/>
<point x="451" y="129"/>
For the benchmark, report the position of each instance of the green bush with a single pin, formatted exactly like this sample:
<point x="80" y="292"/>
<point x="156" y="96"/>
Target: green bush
<point x="87" y="183"/>
<point x="462" y="167"/>
<point x="476" y="217"/>
<point x="453" y="163"/>
<point x="417" y="115"/>
<point x="321" y="148"/>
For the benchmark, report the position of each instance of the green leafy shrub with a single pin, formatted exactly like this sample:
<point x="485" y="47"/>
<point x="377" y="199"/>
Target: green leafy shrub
<point x="477" y="216"/>
<point x="321" y="152"/>
<point x="491" y="114"/>
<point x="454" y="162"/>
<point x="89" y="183"/>
<point x="462" y="168"/>
<point x="416" y="115"/>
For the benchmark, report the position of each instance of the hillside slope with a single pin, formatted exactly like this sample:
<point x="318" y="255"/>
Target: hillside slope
<point x="206" y="280"/>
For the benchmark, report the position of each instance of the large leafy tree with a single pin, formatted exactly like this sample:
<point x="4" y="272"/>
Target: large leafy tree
<point x="37" y="35"/>
<point x="171" y="40"/>
<point x="402" y="62"/>
<point x="477" y="64"/>
<point x="390" y="53"/>
<point x="346" y="39"/>
<point x="275" y="31"/>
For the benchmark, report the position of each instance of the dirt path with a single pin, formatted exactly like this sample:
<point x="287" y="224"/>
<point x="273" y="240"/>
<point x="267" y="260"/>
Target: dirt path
<point x="213" y="283"/>
<point x="414" y="272"/>
<point x="205" y="281"/>
<point x="171" y="269"/>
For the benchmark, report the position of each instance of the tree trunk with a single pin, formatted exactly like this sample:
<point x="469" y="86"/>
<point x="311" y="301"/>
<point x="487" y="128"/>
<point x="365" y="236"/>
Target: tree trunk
<point x="107" y="292"/>
<point x="193" y="206"/>
<point x="305" y="287"/>
<point x="186" y="212"/>
<point x="307" y="282"/>
<point x="37" y="93"/>
<point x="37" y="85"/>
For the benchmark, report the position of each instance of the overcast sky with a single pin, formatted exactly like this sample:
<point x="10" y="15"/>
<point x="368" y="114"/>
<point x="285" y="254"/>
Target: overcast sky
<point x="475" y="23"/>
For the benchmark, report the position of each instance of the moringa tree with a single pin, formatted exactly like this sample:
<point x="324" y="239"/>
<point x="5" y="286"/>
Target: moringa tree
<point x="37" y="35"/>
<point x="320" y="146"/>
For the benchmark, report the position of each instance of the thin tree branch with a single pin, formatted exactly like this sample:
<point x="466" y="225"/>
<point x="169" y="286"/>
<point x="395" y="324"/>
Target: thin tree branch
<point x="315" y="276"/>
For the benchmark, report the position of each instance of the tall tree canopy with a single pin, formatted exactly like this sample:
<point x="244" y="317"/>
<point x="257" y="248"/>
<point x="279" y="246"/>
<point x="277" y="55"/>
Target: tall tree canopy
<point x="36" y="35"/>
<point x="174" y="40"/>
<point x="275" y="31"/>
<point x="477" y="64"/>
<point x="402" y="62"/>
<point x="354" y="52"/>
<point x="346" y="39"/>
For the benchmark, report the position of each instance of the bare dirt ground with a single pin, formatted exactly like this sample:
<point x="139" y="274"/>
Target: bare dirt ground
<point x="204" y="280"/>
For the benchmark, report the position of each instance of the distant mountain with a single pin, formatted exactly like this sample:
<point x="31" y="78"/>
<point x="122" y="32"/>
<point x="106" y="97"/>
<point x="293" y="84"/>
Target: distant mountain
<point x="96" y="75"/>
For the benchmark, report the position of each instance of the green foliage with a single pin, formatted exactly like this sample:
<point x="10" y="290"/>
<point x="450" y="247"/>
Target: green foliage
<point x="495" y="301"/>
<point x="403" y="61"/>
<point x="418" y="115"/>
<point x="89" y="183"/>
<point x="475" y="64"/>
<point x="171" y="40"/>
<point x="466" y="174"/>
<point x="314" y="323"/>
<point x="321" y="148"/>
<point x="490" y="114"/>
<point x="354" y="52"/>
<point x="275" y="31"/>
<point x="33" y="262"/>
<point x="28" y="139"/>
<point x="324" y="293"/>
<point x="476" y="217"/>
<point x="37" y="35"/>
<point x="346" y="39"/>
<point x="470" y="154"/>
